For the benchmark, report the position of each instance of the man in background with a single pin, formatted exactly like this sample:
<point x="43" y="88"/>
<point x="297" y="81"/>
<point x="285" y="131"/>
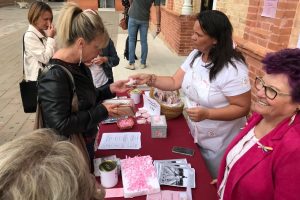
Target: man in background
<point x="139" y="15"/>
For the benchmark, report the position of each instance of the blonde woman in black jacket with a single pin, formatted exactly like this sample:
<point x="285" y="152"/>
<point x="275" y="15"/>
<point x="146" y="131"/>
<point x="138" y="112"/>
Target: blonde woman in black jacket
<point x="81" y="35"/>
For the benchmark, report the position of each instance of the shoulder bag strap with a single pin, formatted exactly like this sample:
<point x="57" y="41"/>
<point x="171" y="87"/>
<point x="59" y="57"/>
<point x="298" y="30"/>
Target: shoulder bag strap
<point x="41" y="39"/>
<point x="23" y="48"/>
<point x="71" y="78"/>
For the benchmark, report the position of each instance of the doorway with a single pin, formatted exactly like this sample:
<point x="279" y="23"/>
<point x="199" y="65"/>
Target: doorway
<point x="106" y="3"/>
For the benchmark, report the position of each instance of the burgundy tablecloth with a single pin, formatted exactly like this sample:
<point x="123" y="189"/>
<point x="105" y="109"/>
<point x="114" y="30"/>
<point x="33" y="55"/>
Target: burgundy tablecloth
<point x="159" y="149"/>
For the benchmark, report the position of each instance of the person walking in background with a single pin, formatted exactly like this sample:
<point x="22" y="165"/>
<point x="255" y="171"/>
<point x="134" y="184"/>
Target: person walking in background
<point x="101" y="66"/>
<point x="126" y="6"/>
<point x="43" y="165"/>
<point x="214" y="79"/>
<point x="81" y="36"/>
<point x="39" y="43"/>
<point x="263" y="161"/>
<point x="139" y="15"/>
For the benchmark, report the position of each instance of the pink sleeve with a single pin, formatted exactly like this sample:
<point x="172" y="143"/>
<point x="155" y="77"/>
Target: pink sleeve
<point x="287" y="169"/>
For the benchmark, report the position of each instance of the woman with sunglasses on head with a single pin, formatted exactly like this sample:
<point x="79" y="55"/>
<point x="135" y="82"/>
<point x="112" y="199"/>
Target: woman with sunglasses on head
<point x="214" y="80"/>
<point x="263" y="161"/>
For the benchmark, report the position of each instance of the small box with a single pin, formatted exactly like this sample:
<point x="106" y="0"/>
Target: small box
<point x="158" y="126"/>
<point x="139" y="176"/>
<point x="126" y="106"/>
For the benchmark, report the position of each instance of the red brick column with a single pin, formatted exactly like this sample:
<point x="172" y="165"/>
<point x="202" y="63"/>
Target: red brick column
<point x="87" y="4"/>
<point x="176" y="30"/>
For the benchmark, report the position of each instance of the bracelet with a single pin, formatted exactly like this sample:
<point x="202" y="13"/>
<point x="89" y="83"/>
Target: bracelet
<point x="152" y="80"/>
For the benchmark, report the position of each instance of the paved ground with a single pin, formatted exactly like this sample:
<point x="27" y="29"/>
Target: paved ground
<point x="13" y="23"/>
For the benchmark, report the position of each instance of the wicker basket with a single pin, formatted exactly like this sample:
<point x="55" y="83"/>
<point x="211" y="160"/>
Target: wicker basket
<point x="169" y="112"/>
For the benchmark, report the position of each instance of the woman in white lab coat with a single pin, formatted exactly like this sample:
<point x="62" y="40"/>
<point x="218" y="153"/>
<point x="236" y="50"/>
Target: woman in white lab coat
<point x="214" y="80"/>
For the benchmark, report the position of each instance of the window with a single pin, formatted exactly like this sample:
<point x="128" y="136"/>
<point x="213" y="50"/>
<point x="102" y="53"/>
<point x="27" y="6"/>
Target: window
<point x="107" y="3"/>
<point x="206" y="5"/>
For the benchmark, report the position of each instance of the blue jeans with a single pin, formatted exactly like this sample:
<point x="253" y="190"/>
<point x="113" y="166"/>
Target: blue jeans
<point x="133" y="26"/>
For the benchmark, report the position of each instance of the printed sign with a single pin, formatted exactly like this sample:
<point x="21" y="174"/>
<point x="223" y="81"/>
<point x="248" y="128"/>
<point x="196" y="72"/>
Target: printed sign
<point x="151" y="105"/>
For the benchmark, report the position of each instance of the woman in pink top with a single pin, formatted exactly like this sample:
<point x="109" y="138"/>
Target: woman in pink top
<point x="263" y="161"/>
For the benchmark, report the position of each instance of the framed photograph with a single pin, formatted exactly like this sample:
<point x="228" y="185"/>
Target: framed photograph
<point x="177" y="176"/>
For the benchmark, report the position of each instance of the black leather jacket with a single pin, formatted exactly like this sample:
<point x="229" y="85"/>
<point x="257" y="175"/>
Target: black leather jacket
<point x="55" y="97"/>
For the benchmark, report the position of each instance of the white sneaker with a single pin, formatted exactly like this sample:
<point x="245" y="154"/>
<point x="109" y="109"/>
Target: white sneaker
<point x="130" y="66"/>
<point x="143" y="66"/>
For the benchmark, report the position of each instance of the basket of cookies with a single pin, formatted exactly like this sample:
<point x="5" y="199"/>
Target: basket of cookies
<point x="170" y="102"/>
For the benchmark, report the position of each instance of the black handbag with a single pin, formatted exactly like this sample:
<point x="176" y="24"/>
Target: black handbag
<point x="28" y="90"/>
<point x="29" y="95"/>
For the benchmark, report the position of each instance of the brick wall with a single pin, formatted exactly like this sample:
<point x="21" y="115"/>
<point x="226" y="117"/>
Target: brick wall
<point x="196" y="6"/>
<point x="296" y="27"/>
<point x="272" y="34"/>
<point x="177" y="6"/>
<point x="253" y="59"/>
<point x="170" y="4"/>
<point x="118" y="5"/>
<point x="176" y="30"/>
<point x="87" y="4"/>
<point x="236" y="10"/>
<point x="262" y="34"/>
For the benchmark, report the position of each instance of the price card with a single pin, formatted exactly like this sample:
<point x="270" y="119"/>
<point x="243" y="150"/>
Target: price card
<point x="151" y="105"/>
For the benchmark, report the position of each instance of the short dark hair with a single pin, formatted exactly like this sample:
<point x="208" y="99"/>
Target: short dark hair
<point x="36" y="9"/>
<point x="287" y="62"/>
<point x="217" y="25"/>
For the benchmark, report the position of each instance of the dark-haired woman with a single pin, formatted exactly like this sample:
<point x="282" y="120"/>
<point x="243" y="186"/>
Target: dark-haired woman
<point x="263" y="161"/>
<point x="214" y="79"/>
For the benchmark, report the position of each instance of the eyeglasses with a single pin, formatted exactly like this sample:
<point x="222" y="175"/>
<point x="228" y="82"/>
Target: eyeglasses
<point x="270" y="92"/>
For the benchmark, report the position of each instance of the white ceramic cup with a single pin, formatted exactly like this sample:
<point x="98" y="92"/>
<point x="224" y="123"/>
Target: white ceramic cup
<point x="136" y="97"/>
<point x="108" y="173"/>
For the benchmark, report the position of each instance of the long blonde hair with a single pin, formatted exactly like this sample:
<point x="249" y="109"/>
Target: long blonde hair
<point x="42" y="165"/>
<point x="73" y="23"/>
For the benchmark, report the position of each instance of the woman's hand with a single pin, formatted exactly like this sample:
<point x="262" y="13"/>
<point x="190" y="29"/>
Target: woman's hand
<point x="141" y="78"/>
<point x="119" y="86"/>
<point x="100" y="60"/>
<point x="51" y="31"/>
<point x="197" y="114"/>
<point x="112" y="109"/>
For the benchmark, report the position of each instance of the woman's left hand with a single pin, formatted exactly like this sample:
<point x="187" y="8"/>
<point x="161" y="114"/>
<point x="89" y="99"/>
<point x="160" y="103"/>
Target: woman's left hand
<point x="197" y="114"/>
<point x="119" y="86"/>
<point x="100" y="60"/>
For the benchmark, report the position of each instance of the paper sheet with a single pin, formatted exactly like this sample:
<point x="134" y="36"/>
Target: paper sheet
<point x="168" y="195"/>
<point x="114" y="192"/>
<point x="269" y="8"/>
<point x="122" y="140"/>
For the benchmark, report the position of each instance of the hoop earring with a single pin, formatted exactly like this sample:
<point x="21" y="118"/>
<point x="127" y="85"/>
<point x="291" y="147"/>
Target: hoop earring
<point x="80" y="60"/>
<point x="293" y="117"/>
